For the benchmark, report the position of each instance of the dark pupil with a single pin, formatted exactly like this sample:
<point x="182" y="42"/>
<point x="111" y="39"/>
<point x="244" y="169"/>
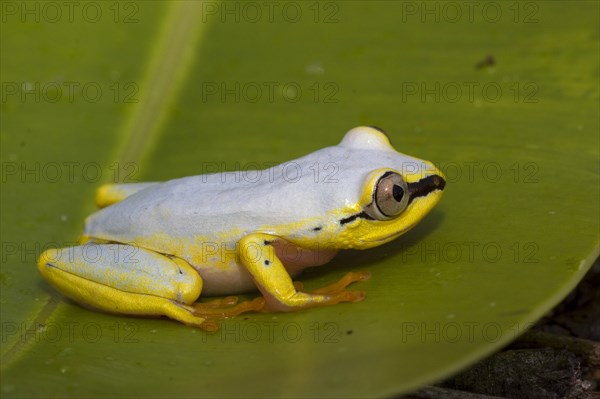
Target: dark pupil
<point x="397" y="192"/>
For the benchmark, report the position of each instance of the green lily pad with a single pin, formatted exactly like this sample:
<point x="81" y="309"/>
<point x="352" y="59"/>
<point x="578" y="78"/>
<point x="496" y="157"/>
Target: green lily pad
<point x="503" y="97"/>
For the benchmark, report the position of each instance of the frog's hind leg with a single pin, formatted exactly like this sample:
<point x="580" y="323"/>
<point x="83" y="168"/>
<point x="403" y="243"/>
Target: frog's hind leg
<point x="125" y="279"/>
<point x="109" y="194"/>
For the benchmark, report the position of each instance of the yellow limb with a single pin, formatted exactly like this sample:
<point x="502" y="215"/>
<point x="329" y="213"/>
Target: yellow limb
<point x="257" y="254"/>
<point x="109" y="292"/>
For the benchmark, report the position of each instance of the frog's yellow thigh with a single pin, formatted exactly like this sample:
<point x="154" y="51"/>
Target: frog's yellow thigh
<point x="124" y="279"/>
<point x="258" y="256"/>
<point x="109" y="194"/>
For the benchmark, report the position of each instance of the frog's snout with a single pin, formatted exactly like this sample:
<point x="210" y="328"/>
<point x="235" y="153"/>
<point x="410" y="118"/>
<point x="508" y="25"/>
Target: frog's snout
<point x="438" y="182"/>
<point x="435" y="179"/>
<point x="425" y="186"/>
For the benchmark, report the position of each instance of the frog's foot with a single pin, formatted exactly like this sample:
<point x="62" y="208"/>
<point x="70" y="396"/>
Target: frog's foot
<point x="218" y="309"/>
<point x="336" y="292"/>
<point x="280" y="293"/>
<point x="339" y="286"/>
<point x="302" y="300"/>
<point x="217" y="303"/>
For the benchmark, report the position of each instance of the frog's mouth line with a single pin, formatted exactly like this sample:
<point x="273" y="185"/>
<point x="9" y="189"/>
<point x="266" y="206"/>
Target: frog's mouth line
<point x="352" y="218"/>
<point x="392" y="236"/>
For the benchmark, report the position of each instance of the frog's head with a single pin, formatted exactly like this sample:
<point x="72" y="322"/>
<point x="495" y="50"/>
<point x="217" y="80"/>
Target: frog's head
<point x="396" y="191"/>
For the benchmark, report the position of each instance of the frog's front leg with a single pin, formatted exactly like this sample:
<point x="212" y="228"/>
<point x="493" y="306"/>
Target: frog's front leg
<point x="258" y="255"/>
<point x="125" y="279"/>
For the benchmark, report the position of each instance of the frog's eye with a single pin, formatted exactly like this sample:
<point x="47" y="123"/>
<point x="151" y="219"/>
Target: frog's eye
<point x="390" y="197"/>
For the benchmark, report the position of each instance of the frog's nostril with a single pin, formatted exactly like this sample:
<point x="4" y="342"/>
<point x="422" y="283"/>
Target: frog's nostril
<point x="439" y="182"/>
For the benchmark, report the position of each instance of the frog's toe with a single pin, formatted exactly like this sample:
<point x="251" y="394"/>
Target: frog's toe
<point x="217" y="303"/>
<point x="339" y="286"/>
<point x="344" y="296"/>
<point x="308" y="300"/>
<point x="181" y="313"/>
<point x="353" y="296"/>
<point x="214" y="312"/>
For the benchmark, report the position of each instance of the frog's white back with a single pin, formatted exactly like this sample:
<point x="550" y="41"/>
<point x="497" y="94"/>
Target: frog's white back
<point x="304" y="189"/>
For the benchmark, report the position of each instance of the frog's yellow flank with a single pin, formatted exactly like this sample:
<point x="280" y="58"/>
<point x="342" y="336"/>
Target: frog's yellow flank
<point x="154" y="248"/>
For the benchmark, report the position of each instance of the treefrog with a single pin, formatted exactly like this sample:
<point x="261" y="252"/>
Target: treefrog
<point x="153" y="248"/>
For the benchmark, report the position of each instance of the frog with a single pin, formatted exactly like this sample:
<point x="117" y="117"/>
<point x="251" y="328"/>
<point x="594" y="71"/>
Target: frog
<point x="154" y="248"/>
